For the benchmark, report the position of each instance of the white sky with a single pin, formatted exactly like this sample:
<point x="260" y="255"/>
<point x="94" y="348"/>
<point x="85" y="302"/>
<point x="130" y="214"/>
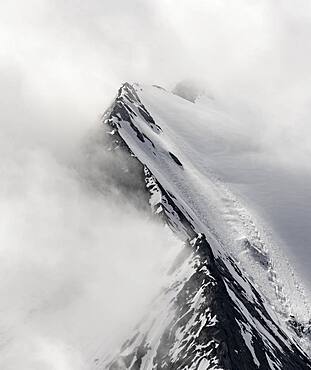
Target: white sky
<point x="61" y="62"/>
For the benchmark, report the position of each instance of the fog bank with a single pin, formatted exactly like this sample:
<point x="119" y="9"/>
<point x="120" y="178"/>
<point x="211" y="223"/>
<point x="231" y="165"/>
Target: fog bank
<point x="72" y="260"/>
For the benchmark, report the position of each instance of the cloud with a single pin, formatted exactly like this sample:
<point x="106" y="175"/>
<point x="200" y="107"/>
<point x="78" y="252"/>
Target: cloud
<point x="64" y="61"/>
<point x="76" y="268"/>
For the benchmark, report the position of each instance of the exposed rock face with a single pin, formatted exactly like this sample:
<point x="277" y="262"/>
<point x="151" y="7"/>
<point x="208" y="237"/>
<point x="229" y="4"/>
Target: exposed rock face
<point x="209" y="316"/>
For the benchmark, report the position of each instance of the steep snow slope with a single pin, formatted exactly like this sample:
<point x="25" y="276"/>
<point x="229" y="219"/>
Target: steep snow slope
<point x="202" y="139"/>
<point x="214" y="146"/>
<point x="212" y="141"/>
<point x="233" y="278"/>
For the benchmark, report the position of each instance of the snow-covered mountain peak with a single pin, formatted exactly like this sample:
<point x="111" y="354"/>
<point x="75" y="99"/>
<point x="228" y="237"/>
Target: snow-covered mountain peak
<point x="227" y="304"/>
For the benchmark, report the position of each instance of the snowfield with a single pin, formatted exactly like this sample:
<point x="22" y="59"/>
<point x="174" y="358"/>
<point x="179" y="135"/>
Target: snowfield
<point x="231" y="190"/>
<point x="234" y="192"/>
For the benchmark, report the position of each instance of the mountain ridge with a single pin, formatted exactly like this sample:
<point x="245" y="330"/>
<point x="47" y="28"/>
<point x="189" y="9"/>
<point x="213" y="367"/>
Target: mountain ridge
<point x="214" y="316"/>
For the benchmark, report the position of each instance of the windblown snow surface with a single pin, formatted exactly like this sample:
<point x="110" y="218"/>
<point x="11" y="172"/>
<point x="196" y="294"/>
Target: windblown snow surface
<point x="196" y="155"/>
<point x="237" y="194"/>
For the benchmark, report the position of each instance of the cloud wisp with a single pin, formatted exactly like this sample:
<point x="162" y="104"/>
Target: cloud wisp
<point x="77" y="269"/>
